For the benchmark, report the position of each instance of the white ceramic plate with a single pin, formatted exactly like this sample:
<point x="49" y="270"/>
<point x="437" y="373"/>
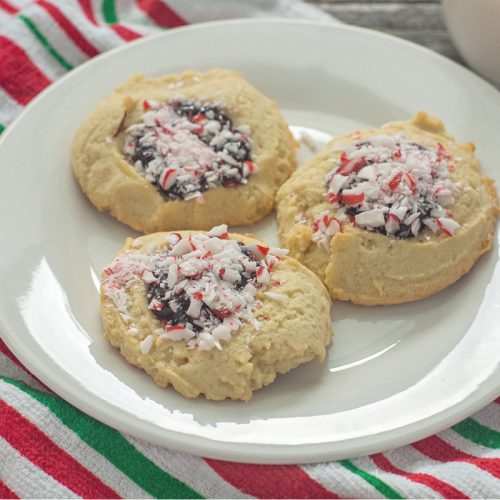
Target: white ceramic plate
<point x="393" y="375"/>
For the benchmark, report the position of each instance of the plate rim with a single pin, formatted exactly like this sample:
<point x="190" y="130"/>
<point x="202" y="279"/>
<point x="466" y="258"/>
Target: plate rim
<point x="274" y="453"/>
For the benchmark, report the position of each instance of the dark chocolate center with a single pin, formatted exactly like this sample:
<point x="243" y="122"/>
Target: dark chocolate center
<point x="235" y="145"/>
<point x="174" y="307"/>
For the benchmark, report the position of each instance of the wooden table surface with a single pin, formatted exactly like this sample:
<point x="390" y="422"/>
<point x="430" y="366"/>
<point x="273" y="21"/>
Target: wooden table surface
<point x="420" y="21"/>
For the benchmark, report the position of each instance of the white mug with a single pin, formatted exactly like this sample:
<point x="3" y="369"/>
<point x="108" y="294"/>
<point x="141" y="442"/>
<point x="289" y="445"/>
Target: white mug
<point x="474" y="26"/>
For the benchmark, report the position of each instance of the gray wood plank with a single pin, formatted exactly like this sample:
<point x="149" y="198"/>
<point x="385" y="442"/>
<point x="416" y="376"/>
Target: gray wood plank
<point x="320" y="2"/>
<point x="434" y="40"/>
<point x="419" y="21"/>
<point x="389" y="16"/>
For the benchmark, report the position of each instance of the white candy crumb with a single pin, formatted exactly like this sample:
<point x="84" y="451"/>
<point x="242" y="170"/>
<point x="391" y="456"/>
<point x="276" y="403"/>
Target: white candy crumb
<point x="218" y="230"/>
<point x="148" y="277"/>
<point x="300" y="218"/>
<point x="307" y="140"/>
<point x="176" y="85"/>
<point x="221" y="332"/>
<point x="277" y="296"/>
<point x="256" y="324"/>
<point x="146" y="344"/>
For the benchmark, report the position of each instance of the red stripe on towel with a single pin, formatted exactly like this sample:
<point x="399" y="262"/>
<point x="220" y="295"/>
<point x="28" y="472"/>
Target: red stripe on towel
<point x="270" y="481"/>
<point x="444" y="489"/>
<point x="161" y="13"/>
<point x="37" y="447"/>
<point x="6" y="492"/>
<point x="69" y="28"/>
<point x="86" y="6"/>
<point x="19" y="77"/>
<point x="125" y="33"/>
<point x="9" y="8"/>
<point x="437" y="449"/>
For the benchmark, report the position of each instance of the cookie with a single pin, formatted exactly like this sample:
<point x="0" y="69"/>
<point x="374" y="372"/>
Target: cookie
<point x="389" y="215"/>
<point x="184" y="151"/>
<point x="213" y="313"/>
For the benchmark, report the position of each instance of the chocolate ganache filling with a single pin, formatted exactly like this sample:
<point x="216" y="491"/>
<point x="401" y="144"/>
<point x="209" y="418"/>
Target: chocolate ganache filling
<point x="187" y="147"/>
<point x="391" y="186"/>
<point x="200" y="288"/>
<point x="172" y="305"/>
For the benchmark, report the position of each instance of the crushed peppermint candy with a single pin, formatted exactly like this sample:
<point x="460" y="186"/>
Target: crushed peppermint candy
<point x="391" y="186"/>
<point x="277" y="296"/>
<point x="201" y="288"/>
<point x="146" y="344"/>
<point x="187" y="147"/>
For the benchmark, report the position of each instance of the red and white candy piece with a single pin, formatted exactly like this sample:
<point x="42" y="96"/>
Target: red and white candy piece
<point x="167" y="178"/>
<point x="181" y="247"/>
<point x="259" y="251"/>
<point x="392" y="224"/>
<point x="263" y="275"/>
<point x="219" y="232"/>
<point x="248" y="168"/>
<point x="354" y="165"/>
<point x="177" y="333"/>
<point x="447" y="225"/>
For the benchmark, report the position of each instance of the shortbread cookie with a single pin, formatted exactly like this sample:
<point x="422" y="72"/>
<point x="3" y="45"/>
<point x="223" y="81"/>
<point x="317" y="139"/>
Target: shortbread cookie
<point x="389" y="215"/>
<point x="213" y="313"/>
<point x="184" y="151"/>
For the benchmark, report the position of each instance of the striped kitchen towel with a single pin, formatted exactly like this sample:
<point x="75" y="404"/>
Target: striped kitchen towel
<point x="49" y="449"/>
